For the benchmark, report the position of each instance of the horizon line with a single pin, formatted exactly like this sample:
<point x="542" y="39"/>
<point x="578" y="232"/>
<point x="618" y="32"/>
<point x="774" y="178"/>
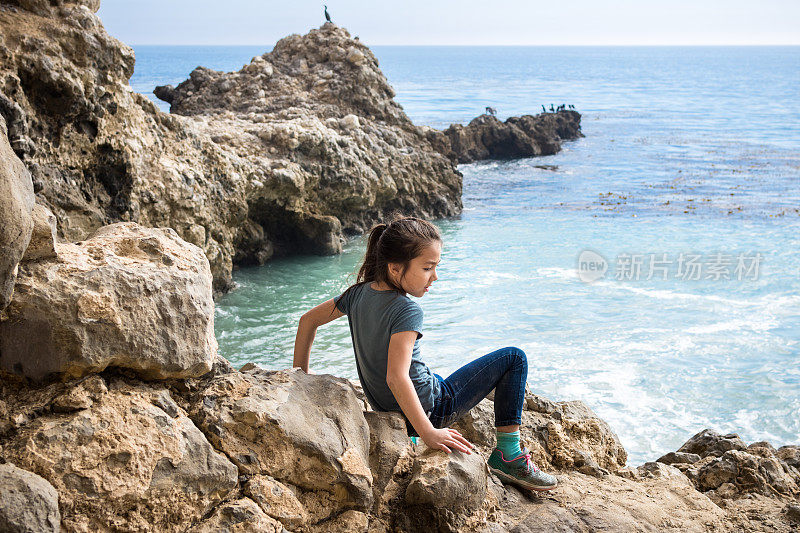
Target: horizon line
<point x="661" y="45"/>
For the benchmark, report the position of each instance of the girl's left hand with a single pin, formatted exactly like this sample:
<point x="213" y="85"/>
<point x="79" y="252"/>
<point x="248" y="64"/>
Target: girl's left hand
<point x="447" y="440"/>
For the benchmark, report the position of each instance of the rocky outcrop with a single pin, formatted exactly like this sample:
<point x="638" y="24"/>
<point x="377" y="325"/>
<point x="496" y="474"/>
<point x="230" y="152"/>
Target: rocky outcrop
<point x="299" y="149"/>
<point x="121" y="453"/>
<point x="257" y="450"/>
<point x="100" y="153"/>
<point x="16" y="221"/>
<point x="485" y="137"/>
<point x="28" y="503"/>
<point x="319" y="107"/>
<point x="291" y="430"/>
<point x="446" y="491"/>
<point x="128" y="296"/>
<point x="724" y="467"/>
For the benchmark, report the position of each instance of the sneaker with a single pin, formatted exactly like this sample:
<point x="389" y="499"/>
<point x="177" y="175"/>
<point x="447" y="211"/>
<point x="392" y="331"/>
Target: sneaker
<point x="520" y="471"/>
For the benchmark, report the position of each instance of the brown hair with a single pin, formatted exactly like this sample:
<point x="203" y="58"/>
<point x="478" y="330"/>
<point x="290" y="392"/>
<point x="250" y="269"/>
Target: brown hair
<point x="399" y="241"/>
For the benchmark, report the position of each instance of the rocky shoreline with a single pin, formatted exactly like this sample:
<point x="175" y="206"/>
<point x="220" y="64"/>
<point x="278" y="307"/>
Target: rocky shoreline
<point x="117" y="413"/>
<point x="301" y="148"/>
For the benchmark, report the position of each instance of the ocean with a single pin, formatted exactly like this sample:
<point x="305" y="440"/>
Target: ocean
<point x="650" y="269"/>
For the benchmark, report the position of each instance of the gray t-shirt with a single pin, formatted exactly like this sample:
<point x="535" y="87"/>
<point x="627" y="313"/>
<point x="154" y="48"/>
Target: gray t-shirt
<point x="374" y="316"/>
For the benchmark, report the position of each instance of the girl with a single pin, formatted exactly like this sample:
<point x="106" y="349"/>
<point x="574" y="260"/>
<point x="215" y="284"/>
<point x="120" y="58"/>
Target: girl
<point x="386" y="326"/>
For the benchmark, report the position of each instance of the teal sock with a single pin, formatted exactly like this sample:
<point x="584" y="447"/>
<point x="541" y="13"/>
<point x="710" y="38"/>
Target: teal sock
<point x="508" y="443"/>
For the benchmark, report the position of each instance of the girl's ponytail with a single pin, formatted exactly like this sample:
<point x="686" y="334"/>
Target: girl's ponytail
<point x="367" y="270"/>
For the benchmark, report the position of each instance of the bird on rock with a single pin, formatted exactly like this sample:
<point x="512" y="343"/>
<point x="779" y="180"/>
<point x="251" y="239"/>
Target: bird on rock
<point x="327" y="16"/>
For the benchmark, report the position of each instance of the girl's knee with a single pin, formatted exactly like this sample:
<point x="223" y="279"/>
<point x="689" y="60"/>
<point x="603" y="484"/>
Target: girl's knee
<point x="519" y="355"/>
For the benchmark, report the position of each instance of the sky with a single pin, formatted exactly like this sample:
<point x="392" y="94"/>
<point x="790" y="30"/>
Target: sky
<point x="463" y="22"/>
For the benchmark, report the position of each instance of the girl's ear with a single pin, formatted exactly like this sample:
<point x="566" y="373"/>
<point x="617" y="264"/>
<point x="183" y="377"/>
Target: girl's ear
<point x="395" y="269"/>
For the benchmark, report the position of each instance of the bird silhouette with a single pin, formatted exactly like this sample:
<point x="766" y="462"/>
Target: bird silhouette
<point x="327" y="17"/>
<point x="543" y="109"/>
<point x="552" y="110"/>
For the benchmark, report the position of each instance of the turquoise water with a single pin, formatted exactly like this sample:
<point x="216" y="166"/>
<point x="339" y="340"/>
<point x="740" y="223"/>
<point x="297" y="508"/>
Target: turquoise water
<point x="692" y="151"/>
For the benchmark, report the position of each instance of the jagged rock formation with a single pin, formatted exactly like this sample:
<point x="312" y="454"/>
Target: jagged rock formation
<point x="485" y="137"/>
<point x="318" y="109"/>
<point x="299" y="150"/>
<point x="254" y="450"/>
<point x="723" y="466"/>
<point x="121" y="454"/>
<point x="128" y="296"/>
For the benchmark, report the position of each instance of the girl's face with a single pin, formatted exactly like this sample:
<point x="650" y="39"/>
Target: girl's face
<point x="421" y="271"/>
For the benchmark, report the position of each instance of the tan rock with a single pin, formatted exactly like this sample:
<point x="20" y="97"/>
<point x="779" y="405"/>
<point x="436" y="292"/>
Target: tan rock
<point x="16" y="222"/>
<point x="356" y="57"/>
<point x="445" y="489"/>
<point x="43" y="239"/>
<point x="731" y="469"/>
<point x="348" y="522"/>
<point x="122" y="462"/>
<point x="128" y="296"/>
<point x="388" y="441"/>
<point x="276" y="500"/>
<point x="300" y="429"/>
<point x="585" y="503"/>
<point x="477" y="426"/>
<point x="239" y="516"/>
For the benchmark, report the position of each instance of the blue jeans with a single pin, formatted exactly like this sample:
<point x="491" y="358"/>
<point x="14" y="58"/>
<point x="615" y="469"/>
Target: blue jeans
<point x="505" y="370"/>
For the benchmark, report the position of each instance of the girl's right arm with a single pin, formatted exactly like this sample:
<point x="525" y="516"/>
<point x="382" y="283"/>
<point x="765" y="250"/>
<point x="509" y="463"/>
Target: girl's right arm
<point x="307" y="330"/>
<point x="401" y="346"/>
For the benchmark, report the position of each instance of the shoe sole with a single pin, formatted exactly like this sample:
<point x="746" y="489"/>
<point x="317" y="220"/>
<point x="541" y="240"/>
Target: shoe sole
<point x="514" y="481"/>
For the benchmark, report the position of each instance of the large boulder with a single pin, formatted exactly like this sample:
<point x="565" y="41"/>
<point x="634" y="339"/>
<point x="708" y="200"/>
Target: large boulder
<point x="306" y="432"/>
<point x="121" y="454"/>
<point x="128" y="296"/>
<point x="446" y="491"/>
<point x="335" y="151"/>
<point x="16" y="222"/>
<point x="276" y="500"/>
<point x="709" y="442"/>
<point x="28" y="503"/>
